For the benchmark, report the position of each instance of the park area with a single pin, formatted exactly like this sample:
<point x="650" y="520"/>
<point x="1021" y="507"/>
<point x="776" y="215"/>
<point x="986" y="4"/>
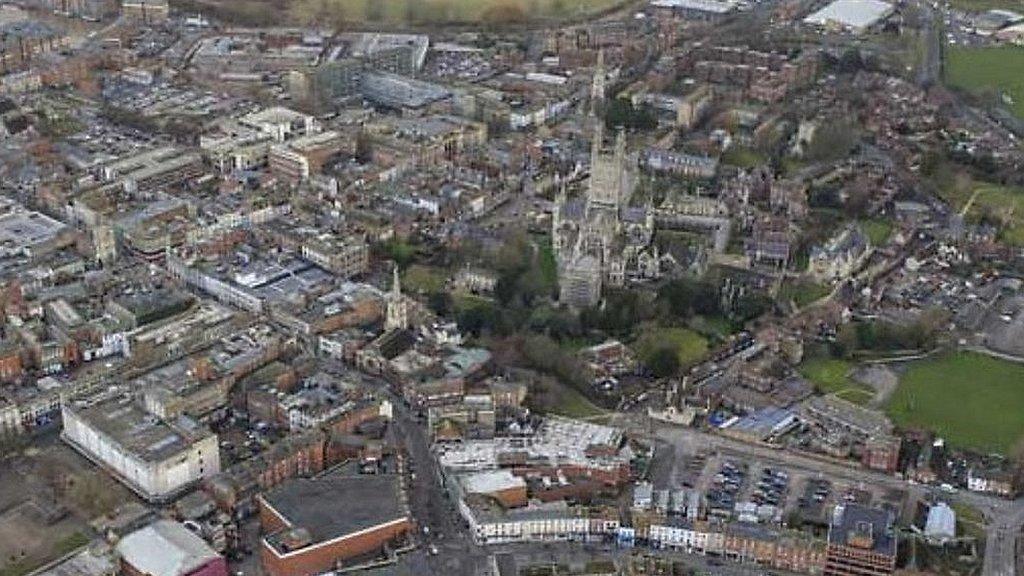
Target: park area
<point x="832" y="376"/>
<point x="396" y="12"/>
<point x="971" y="400"/>
<point x="688" y="345"/>
<point x="994" y="70"/>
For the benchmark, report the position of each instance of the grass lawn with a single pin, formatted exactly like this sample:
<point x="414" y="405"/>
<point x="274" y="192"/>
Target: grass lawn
<point x="878" y="231"/>
<point x="572" y="404"/>
<point x="690" y="345"/>
<point x="803" y="292"/>
<point x="548" y="265"/>
<point x="996" y="68"/>
<point x="969" y="520"/>
<point x="971" y="400"/>
<point x="743" y="157"/>
<point x="830" y="376"/>
<point x="554" y="397"/>
<point x="714" y="327"/>
<point x="423" y="279"/>
<point x="982" y="5"/>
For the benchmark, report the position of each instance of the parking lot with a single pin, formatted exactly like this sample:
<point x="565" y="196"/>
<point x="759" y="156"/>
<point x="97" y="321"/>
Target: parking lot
<point x="737" y="487"/>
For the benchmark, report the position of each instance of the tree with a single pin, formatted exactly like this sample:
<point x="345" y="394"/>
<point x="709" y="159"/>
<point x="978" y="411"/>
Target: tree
<point x="621" y="113"/>
<point x="663" y="361"/>
<point x="364" y="148"/>
<point x="832" y="141"/>
<point x="440" y="303"/>
<point x="1017" y="458"/>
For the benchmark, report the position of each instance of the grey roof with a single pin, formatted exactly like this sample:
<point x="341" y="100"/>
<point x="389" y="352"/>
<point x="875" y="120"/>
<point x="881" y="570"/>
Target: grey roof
<point x="851" y="521"/>
<point x="165" y="548"/>
<point x="140" y="433"/>
<point x="337" y="504"/>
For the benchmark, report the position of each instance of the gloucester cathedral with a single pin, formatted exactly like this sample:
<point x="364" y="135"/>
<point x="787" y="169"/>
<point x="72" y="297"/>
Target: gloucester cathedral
<point x="599" y="239"/>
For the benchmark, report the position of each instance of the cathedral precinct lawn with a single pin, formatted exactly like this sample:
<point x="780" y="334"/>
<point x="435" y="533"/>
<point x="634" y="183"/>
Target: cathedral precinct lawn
<point x="743" y="157"/>
<point x="970" y="399"/>
<point x="998" y="68"/>
<point x="689" y="345"/>
<point x="877" y="230"/>
<point x="423" y="279"/>
<point x="803" y="291"/>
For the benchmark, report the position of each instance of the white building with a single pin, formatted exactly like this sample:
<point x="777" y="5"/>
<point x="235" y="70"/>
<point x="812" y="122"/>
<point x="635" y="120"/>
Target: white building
<point x="554" y="521"/>
<point x="853" y="15"/>
<point x="940" y="527"/>
<point x="281" y="123"/>
<point x="156" y="459"/>
<point x="684" y="537"/>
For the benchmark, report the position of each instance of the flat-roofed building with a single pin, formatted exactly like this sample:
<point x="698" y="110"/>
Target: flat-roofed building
<point x="167" y="548"/>
<point x="157" y="459"/>
<point x="854" y="15"/>
<point x="311" y="526"/>
<point x="861" y="542"/>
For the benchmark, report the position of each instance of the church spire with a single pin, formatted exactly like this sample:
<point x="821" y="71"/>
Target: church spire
<point x="396" y="316"/>
<point x="597" y="85"/>
<point x="596" y="143"/>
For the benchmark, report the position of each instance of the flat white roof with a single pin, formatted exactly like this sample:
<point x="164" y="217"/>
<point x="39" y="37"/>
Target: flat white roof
<point x="715" y="6"/>
<point x="856" y="14"/>
<point x="491" y="481"/>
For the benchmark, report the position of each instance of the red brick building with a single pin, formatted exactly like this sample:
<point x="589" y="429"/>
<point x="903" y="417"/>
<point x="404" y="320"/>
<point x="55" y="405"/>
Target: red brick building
<point x="311" y="526"/>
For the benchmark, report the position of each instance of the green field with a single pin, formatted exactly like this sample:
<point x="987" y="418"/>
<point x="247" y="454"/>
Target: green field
<point x="423" y="279"/>
<point x="995" y="70"/>
<point x="339" y="13"/>
<point x="802" y="292"/>
<point x="982" y="5"/>
<point x="878" y="231"/>
<point x="830" y="376"/>
<point x="550" y="396"/>
<point x="743" y="157"/>
<point x="690" y="346"/>
<point x="971" y="400"/>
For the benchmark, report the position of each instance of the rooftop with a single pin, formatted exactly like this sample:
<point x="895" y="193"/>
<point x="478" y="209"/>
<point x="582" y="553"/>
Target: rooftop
<point x="491" y="481"/>
<point x="857" y="526"/>
<point x="336" y="505"/>
<point x="139" y="432"/>
<point x="856" y="14"/>
<point x="165" y="548"/>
